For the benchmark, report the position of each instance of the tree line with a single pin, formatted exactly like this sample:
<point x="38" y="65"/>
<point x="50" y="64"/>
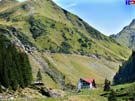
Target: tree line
<point x="15" y="69"/>
<point x="126" y="72"/>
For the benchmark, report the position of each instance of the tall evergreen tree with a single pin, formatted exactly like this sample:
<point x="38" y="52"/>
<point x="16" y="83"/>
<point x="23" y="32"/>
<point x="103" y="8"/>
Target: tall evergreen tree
<point x="26" y="70"/>
<point x="107" y="85"/>
<point x="39" y="76"/>
<point x="0" y="88"/>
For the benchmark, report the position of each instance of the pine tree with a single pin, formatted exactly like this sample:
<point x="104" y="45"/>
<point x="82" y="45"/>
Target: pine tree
<point x="94" y="83"/>
<point x="26" y="70"/>
<point x="39" y="76"/>
<point x="18" y="67"/>
<point x="0" y="88"/>
<point x="13" y="75"/>
<point x="107" y="85"/>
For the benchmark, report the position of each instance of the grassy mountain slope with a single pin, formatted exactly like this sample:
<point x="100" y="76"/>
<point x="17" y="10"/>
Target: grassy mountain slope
<point x="77" y="66"/>
<point x="74" y="67"/>
<point x="49" y="27"/>
<point x="41" y="26"/>
<point x="127" y="36"/>
<point x="123" y="92"/>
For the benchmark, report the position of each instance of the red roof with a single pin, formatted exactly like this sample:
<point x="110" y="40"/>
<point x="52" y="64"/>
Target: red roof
<point x="88" y="80"/>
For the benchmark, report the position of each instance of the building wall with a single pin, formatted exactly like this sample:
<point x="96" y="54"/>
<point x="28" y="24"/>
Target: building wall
<point x="83" y="85"/>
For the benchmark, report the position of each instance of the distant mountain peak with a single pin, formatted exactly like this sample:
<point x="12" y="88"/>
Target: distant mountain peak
<point x="126" y="36"/>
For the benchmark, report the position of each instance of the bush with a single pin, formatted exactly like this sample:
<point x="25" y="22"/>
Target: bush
<point x="112" y="96"/>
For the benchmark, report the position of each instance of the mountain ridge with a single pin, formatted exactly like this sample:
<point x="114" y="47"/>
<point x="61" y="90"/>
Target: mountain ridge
<point x="126" y="36"/>
<point x="72" y="24"/>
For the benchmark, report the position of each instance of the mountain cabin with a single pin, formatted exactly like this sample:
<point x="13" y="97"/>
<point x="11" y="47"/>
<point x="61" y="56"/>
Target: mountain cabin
<point x="86" y="83"/>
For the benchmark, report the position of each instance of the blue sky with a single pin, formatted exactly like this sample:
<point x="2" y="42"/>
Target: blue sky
<point x="108" y="16"/>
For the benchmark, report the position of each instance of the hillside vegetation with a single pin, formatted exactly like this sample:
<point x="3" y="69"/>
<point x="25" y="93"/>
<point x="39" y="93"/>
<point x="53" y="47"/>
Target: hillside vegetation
<point x="75" y="67"/>
<point x="126" y="78"/>
<point x="63" y="46"/>
<point x="15" y="69"/>
<point x="126" y="72"/>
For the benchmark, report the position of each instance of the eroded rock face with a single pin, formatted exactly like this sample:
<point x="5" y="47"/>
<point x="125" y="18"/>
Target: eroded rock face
<point x="51" y="92"/>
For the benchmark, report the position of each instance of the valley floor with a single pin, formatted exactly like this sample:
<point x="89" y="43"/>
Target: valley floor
<point x="84" y="95"/>
<point x="73" y="67"/>
<point x="93" y="94"/>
